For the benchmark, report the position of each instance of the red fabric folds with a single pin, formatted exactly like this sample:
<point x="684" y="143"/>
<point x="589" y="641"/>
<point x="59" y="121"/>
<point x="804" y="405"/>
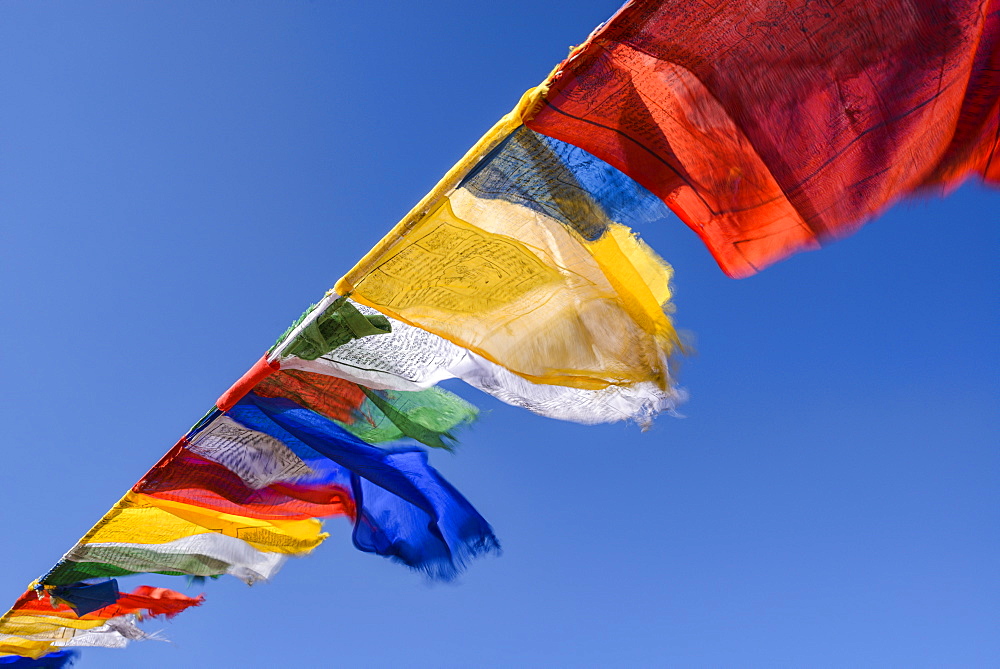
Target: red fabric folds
<point x="144" y="601"/>
<point x="184" y="476"/>
<point x="769" y="127"/>
<point x="334" y="398"/>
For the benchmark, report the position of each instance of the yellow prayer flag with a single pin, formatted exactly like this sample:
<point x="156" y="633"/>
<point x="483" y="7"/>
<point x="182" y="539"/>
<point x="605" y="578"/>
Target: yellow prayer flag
<point x="575" y="303"/>
<point x="140" y="519"/>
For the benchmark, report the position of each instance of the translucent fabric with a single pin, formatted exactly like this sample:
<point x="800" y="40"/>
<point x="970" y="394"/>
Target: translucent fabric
<point x="522" y="265"/>
<point x="410" y="358"/>
<point x="39" y="623"/>
<point x="772" y="127"/>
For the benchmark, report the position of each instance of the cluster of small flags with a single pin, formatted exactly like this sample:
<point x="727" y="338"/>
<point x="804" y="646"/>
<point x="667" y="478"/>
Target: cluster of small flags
<point x="766" y="130"/>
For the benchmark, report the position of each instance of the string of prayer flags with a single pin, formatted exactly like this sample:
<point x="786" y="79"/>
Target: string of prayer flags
<point x="768" y="128"/>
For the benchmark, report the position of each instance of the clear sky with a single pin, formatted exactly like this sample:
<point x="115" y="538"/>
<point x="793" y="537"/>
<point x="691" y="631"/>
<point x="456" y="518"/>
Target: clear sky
<point x="179" y="180"/>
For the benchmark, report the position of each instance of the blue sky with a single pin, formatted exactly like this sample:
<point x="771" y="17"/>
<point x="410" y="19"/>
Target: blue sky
<point x="180" y="180"/>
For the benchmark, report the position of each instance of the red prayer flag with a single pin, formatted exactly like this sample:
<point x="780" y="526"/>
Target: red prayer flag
<point x="145" y="600"/>
<point x="769" y="127"/>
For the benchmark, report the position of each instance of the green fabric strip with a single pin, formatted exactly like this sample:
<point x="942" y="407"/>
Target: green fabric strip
<point x="104" y="561"/>
<point x="428" y="416"/>
<point x="72" y="572"/>
<point x="339" y="324"/>
<point x="290" y="328"/>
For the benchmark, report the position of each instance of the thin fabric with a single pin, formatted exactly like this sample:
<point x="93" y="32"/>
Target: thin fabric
<point x="44" y="620"/>
<point x="245" y="489"/>
<point x="767" y="127"/>
<point x="771" y="127"/>
<point x="524" y="267"/>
